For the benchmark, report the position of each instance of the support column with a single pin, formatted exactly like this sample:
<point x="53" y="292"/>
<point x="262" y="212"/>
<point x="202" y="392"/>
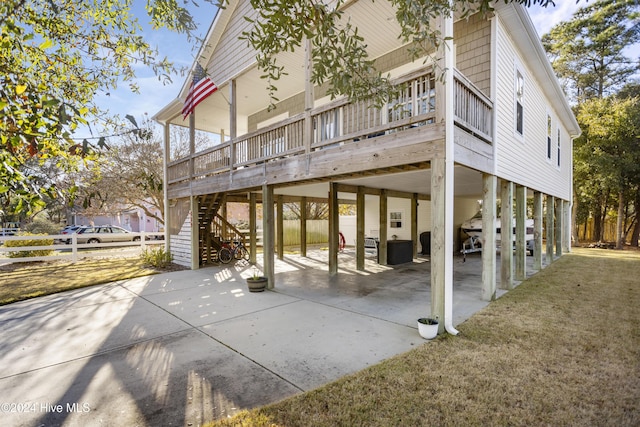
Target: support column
<point x="506" y="235"/>
<point x="382" y="246"/>
<point x="414" y="224"/>
<point x="489" y="191"/>
<point x="438" y="248"/>
<point x="537" y="230"/>
<point x="558" y="229"/>
<point x="333" y="229"/>
<point x="268" y="235"/>
<point x="233" y="125"/>
<point x="521" y="232"/>
<point x="195" y="235"/>
<point x="360" y="229"/>
<point x="253" y="247"/>
<point x="303" y="226"/>
<point x="566" y="234"/>
<point x="550" y="228"/>
<point x="280" y="227"/>
<point x="166" y="214"/>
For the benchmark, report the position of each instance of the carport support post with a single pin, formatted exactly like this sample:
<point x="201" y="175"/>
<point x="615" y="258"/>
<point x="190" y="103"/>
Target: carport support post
<point x="252" y="228"/>
<point x="506" y="235"/>
<point x="537" y="230"/>
<point x="195" y="238"/>
<point x="333" y="228"/>
<point x="489" y="183"/>
<point x="521" y="232"/>
<point x="550" y="227"/>
<point x="566" y="245"/>
<point x="268" y="235"/>
<point x="280" y="228"/>
<point x="559" y="217"/>
<point x="303" y="226"/>
<point x="438" y="248"/>
<point x="382" y="244"/>
<point x="360" y="229"/>
<point x="414" y="223"/>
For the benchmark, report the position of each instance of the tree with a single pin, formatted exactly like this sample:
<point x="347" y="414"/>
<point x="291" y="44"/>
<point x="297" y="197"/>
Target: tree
<point x="587" y="52"/>
<point x="128" y="175"/>
<point x="55" y="58"/>
<point x="607" y="158"/>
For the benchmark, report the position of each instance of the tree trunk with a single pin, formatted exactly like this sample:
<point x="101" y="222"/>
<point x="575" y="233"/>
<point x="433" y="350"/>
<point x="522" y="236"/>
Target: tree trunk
<point x="620" y="240"/>
<point x="636" y="229"/>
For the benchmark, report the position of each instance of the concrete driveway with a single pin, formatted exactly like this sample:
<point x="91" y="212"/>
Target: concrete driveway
<point x="187" y="347"/>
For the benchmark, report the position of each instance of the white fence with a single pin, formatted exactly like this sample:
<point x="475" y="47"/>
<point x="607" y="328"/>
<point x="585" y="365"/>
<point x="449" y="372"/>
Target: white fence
<point x="72" y="250"/>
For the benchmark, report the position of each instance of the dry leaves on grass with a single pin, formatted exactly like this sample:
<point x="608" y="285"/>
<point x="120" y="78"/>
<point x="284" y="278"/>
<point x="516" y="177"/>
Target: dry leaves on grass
<point x="563" y="348"/>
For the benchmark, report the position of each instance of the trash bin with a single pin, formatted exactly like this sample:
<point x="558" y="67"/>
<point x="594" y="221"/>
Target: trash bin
<point x="425" y="242"/>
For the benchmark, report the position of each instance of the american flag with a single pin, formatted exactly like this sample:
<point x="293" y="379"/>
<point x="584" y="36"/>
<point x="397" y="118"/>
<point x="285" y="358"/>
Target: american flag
<point x="201" y="87"/>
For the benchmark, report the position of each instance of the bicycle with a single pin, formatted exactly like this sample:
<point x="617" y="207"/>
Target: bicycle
<point x="233" y="250"/>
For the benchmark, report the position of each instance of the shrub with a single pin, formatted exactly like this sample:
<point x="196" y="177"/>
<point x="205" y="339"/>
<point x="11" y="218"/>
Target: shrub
<point x="156" y="257"/>
<point x="41" y="225"/>
<point x="29" y="242"/>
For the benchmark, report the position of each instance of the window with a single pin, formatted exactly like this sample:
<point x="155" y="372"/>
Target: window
<point x="519" y="103"/>
<point x="558" y="161"/>
<point x="396" y="219"/>
<point x="548" y="137"/>
<point x="415" y="98"/>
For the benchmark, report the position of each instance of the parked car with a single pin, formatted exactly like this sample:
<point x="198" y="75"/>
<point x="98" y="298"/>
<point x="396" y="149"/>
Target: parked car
<point x="69" y="229"/>
<point x="105" y="234"/>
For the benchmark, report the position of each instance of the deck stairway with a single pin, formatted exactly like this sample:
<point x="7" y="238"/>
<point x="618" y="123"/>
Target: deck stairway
<point x="214" y="229"/>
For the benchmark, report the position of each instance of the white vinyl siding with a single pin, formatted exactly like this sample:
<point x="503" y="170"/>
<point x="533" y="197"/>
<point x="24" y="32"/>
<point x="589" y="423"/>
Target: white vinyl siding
<point x="523" y="159"/>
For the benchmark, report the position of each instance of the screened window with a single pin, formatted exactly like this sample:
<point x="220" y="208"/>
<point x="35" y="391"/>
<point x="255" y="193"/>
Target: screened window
<point x="548" y="137"/>
<point x="519" y="103"/>
<point x="558" y="161"/>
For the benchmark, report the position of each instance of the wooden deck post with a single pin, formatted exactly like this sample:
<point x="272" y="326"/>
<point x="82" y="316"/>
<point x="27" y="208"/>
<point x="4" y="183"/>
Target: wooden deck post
<point x="280" y="227"/>
<point x="166" y="158"/>
<point x="233" y="125"/>
<point x="566" y="245"/>
<point x="382" y="246"/>
<point x="550" y="228"/>
<point x="252" y="228"/>
<point x="521" y="232"/>
<point x="489" y="190"/>
<point x="414" y="224"/>
<point x="195" y="235"/>
<point x="360" y="229"/>
<point x="558" y="230"/>
<point x="537" y="230"/>
<point x="268" y="235"/>
<point x="303" y="226"/>
<point x="506" y="235"/>
<point x="333" y="228"/>
<point x="438" y="248"/>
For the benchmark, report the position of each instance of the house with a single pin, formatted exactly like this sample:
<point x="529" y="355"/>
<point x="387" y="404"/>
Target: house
<point x="497" y="127"/>
<point x="131" y="218"/>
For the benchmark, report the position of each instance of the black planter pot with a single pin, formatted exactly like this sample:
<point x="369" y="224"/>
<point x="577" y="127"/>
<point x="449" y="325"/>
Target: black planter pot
<point x="257" y="284"/>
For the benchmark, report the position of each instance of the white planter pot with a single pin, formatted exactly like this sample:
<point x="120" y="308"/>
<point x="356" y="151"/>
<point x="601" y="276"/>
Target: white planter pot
<point x="427" y="331"/>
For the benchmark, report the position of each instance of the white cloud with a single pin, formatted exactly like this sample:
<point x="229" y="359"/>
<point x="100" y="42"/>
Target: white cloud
<point x="545" y="18"/>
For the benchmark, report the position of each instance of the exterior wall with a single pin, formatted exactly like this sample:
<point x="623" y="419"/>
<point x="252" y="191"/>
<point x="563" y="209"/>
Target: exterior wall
<point x="523" y="159"/>
<point x="231" y="54"/>
<point x="181" y="244"/>
<point x="472" y="39"/>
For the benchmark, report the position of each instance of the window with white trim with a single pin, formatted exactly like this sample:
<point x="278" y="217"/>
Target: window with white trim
<point x="519" y="103"/>
<point x="558" y="159"/>
<point x="549" y="134"/>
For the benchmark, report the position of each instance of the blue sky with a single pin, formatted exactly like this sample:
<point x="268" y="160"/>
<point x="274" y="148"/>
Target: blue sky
<point x="154" y="95"/>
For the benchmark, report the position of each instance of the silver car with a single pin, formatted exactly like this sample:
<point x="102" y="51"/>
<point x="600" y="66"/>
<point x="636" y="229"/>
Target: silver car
<point x="105" y="234"/>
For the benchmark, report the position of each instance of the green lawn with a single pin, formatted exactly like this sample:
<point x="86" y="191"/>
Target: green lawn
<point x="562" y="349"/>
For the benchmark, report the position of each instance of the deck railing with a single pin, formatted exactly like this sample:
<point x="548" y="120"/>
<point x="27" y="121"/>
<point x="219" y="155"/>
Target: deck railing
<point x="342" y="122"/>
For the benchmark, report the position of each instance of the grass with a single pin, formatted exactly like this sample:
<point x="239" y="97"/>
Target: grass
<point x="29" y="280"/>
<point x="561" y="349"/>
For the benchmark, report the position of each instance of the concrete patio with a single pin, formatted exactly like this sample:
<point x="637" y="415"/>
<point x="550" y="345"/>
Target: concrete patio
<point x="186" y="347"/>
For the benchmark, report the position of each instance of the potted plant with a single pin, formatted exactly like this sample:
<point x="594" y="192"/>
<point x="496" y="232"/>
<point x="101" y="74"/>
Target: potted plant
<point x="256" y="283"/>
<point x="428" y="328"/>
